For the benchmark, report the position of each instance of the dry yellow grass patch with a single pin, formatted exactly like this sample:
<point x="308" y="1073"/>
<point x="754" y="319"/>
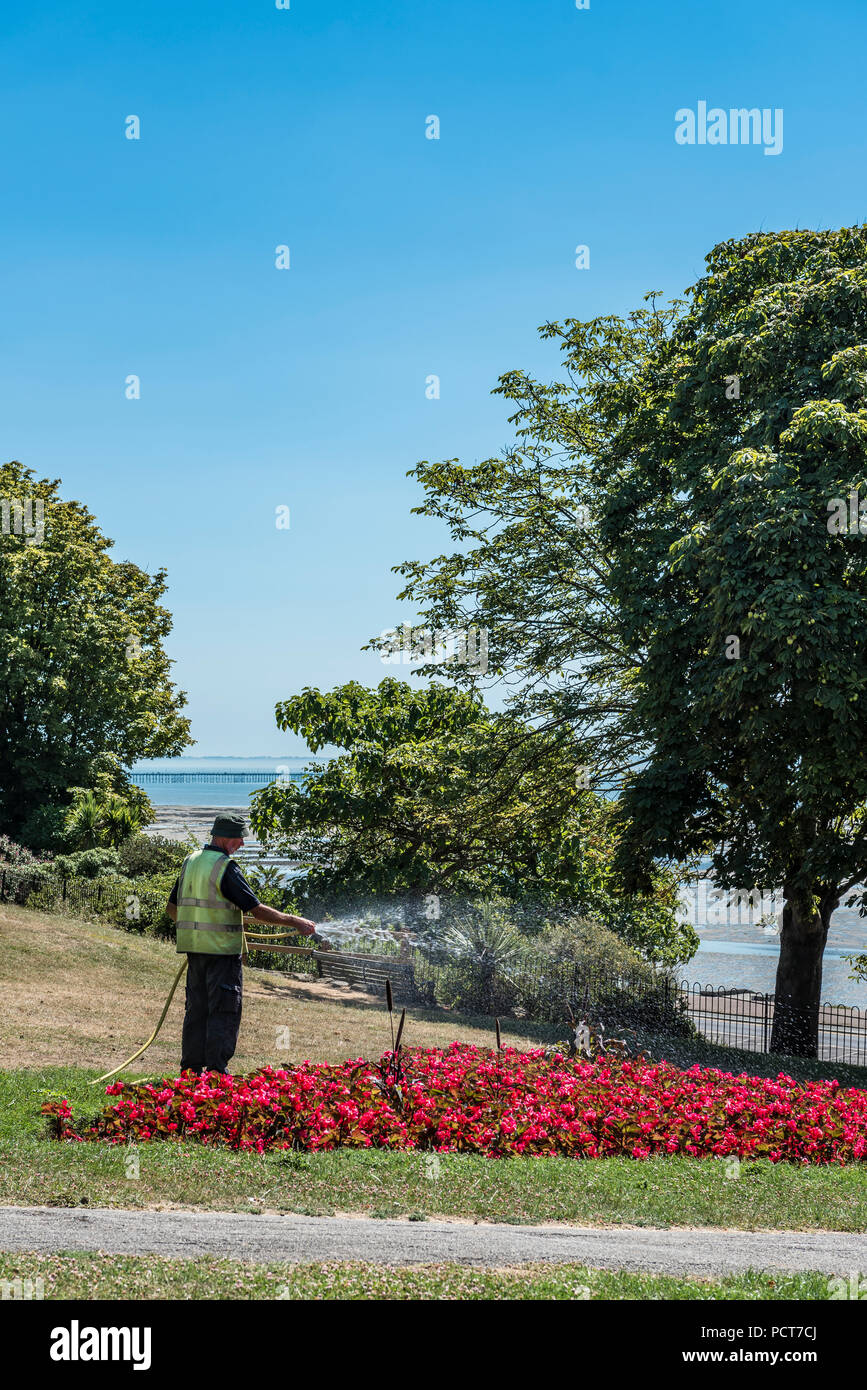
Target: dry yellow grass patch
<point x="85" y="994"/>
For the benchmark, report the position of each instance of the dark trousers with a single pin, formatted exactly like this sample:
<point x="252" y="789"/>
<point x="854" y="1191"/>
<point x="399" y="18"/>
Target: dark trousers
<point x="213" y="1013"/>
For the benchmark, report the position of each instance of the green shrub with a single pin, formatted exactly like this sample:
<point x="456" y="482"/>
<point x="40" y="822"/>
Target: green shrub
<point x="25" y="884"/>
<point x="39" y="898"/>
<point x="579" y="941"/>
<point x="104" y="896"/>
<point x="144" y="905"/>
<point x="573" y="967"/>
<point x="268" y="883"/>
<point x="89" y="863"/>
<point x="144" y="855"/>
<point x="467" y="988"/>
<point x="141" y="906"/>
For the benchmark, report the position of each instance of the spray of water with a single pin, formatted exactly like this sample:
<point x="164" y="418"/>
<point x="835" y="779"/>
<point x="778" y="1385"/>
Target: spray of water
<point x="352" y="931"/>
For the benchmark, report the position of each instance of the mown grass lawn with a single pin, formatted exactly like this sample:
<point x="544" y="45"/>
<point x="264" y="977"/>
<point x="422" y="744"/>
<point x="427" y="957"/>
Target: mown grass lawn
<point x="673" y="1191"/>
<point x="101" y="1276"/>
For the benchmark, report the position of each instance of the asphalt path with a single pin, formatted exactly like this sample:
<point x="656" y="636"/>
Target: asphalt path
<point x="265" y="1238"/>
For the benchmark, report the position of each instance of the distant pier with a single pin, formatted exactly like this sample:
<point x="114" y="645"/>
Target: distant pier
<point x="258" y="778"/>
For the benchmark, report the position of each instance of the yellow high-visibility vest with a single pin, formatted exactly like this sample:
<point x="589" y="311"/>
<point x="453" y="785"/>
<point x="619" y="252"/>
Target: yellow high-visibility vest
<point x="206" y="920"/>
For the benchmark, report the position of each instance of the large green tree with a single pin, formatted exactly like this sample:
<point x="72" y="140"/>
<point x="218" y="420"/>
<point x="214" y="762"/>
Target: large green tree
<point x="82" y="666"/>
<point x="654" y="565"/>
<point x="435" y="795"/>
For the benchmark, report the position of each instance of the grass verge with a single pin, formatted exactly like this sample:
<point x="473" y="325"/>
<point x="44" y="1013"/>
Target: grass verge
<point x="101" y="1276"/>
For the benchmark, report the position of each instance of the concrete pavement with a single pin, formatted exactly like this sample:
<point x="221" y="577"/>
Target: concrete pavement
<point x="706" y="1251"/>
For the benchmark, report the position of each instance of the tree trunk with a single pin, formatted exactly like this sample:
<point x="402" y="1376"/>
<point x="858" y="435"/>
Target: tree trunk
<point x="799" y="976"/>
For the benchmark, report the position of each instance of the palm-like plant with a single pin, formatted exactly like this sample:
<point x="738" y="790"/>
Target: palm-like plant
<point x="481" y="935"/>
<point x="84" y="823"/>
<point x="119" y="823"/>
<point x="97" y="820"/>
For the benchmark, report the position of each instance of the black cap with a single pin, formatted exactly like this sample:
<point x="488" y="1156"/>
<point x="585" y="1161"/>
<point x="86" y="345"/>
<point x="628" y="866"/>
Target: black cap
<point x="228" y="826"/>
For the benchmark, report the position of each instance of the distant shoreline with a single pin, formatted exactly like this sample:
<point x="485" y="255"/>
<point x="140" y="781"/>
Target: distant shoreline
<point x="176" y="822"/>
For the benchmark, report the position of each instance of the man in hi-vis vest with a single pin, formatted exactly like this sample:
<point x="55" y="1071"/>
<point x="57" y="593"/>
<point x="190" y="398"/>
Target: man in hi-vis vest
<point x="208" y="903"/>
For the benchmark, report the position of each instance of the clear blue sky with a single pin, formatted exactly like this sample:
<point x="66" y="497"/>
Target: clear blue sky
<point x="409" y="256"/>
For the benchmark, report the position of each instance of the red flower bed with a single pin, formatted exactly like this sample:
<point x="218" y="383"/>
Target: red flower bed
<point x="471" y="1100"/>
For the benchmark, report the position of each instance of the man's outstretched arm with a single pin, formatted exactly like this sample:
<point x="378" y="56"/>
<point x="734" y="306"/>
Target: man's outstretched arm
<point x="262" y="913"/>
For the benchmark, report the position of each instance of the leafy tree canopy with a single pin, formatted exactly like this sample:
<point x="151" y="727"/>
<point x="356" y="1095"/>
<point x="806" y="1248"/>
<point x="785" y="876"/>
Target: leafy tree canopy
<point x="654" y="565"/>
<point x="435" y="795"/>
<point x="82" y="666"/>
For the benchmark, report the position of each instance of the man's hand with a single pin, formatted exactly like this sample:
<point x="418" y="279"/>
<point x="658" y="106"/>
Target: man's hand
<point x="302" y="924"/>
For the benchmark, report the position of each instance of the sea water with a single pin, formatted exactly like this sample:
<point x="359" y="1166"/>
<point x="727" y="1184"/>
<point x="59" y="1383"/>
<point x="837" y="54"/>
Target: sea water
<point x="739" y="949"/>
<point x="232" y="781"/>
